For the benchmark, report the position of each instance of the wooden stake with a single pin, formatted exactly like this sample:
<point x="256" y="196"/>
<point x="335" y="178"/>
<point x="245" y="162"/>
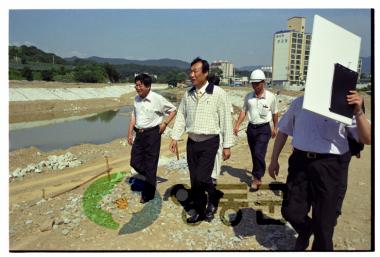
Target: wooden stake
<point x="43" y="194"/>
<point x="108" y="168"/>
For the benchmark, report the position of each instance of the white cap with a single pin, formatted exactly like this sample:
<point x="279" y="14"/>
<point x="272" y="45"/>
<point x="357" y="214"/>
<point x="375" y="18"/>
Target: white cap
<point x="257" y="76"/>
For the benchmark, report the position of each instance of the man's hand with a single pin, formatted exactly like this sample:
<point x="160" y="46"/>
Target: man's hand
<point x="130" y="139"/>
<point x="226" y="153"/>
<point x="273" y="169"/>
<point x="274" y="132"/>
<point x="236" y="130"/>
<point x="173" y="146"/>
<point x="162" y="127"/>
<point x="354" y="98"/>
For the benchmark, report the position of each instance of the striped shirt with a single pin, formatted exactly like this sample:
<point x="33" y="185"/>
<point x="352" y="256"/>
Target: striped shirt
<point x="208" y="115"/>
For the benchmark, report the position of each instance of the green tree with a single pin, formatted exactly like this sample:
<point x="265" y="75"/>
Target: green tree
<point x="112" y="73"/>
<point x="47" y="75"/>
<point x="27" y="73"/>
<point x="217" y="72"/>
<point x="90" y="74"/>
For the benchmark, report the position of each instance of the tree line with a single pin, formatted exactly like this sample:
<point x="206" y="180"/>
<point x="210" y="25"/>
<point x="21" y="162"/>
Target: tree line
<point x="31" y="63"/>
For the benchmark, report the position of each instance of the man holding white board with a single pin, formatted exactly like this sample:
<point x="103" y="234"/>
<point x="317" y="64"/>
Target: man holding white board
<point x="318" y="166"/>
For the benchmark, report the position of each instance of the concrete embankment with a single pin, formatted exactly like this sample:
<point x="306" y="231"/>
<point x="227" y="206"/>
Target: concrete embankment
<point x="72" y="94"/>
<point x="31" y="103"/>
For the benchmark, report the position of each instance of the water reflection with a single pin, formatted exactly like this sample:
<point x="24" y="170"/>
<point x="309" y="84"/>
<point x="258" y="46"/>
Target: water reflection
<point x="104" y="116"/>
<point x="98" y="129"/>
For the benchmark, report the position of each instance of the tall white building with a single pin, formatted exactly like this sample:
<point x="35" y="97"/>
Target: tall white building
<point x="291" y="50"/>
<point x="226" y="67"/>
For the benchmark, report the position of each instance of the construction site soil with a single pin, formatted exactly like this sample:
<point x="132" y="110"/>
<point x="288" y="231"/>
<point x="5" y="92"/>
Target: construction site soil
<point x="38" y="221"/>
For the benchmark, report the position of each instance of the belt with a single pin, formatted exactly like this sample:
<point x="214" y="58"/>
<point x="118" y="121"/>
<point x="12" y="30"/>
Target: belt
<point x="312" y="155"/>
<point x="258" y="125"/>
<point x="142" y="130"/>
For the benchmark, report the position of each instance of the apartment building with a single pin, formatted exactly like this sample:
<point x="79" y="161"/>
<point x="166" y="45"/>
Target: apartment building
<point x="227" y="68"/>
<point x="291" y="50"/>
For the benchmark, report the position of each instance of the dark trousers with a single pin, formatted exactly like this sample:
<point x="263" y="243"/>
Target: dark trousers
<point x="258" y="138"/>
<point x="144" y="158"/>
<point x="315" y="183"/>
<point x="201" y="158"/>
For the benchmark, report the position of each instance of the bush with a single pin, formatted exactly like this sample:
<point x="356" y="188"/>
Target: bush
<point x="15" y="74"/>
<point x="47" y="75"/>
<point x="91" y="74"/>
<point x="27" y="73"/>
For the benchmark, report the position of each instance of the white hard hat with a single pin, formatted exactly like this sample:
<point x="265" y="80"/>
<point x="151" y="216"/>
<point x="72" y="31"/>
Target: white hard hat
<point x="257" y="76"/>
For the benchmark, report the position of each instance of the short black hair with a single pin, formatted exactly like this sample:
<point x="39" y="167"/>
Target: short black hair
<point x="144" y="78"/>
<point x="205" y="65"/>
<point x="213" y="79"/>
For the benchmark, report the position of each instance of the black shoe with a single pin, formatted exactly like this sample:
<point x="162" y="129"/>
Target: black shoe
<point x="302" y="242"/>
<point x="196" y="217"/>
<point x="210" y="211"/>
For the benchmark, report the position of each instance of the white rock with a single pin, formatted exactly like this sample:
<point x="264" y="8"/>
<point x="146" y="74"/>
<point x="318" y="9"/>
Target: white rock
<point x="65" y="232"/>
<point x="47" y="225"/>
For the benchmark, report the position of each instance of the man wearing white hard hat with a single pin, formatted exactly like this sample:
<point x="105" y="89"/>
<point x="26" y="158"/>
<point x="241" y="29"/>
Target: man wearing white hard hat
<point x="261" y="106"/>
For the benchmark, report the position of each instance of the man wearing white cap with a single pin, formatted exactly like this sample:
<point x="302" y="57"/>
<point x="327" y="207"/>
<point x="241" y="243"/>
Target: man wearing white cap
<point x="261" y="106"/>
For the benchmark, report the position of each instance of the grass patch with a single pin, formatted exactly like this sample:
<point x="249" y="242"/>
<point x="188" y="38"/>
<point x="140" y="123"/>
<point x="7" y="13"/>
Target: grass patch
<point x="92" y="196"/>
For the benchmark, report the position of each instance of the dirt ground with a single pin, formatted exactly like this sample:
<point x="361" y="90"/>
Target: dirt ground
<point x="60" y="223"/>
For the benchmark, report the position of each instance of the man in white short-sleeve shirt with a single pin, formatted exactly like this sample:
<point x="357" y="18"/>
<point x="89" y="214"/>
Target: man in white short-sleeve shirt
<point x="148" y="121"/>
<point x="317" y="169"/>
<point x="261" y="106"/>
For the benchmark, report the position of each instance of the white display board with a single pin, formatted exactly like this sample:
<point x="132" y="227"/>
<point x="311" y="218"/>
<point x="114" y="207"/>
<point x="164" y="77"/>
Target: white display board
<point x="330" y="44"/>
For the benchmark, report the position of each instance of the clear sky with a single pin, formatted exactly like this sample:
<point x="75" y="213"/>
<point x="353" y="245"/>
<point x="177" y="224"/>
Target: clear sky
<point x="242" y="36"/>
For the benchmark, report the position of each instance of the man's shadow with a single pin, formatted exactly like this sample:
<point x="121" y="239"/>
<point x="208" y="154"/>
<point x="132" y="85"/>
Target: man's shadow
<point x="270" y="233"/>
<point x="181" y="195"/>
<point x="243" y="175"/>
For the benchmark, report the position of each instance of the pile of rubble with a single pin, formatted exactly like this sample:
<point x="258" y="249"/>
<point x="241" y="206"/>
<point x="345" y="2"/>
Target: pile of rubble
<point x="53" y="162"/>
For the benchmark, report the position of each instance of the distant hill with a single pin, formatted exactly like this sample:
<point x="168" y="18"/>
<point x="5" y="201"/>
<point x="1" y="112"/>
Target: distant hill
<point x="31" y="54"/>
<point x="119" y="61"/>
